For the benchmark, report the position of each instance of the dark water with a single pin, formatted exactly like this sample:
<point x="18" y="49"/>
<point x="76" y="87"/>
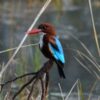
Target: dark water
<point x="69" y="23"/>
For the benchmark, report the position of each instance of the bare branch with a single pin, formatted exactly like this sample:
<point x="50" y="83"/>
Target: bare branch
<point x="46" y="83"/>
<point x="21" y="89"/>
<point x="35" y="76"/>
<point x="29" y="96"/>
<point x="19" y="77"/>
<point x="43" y="90"/>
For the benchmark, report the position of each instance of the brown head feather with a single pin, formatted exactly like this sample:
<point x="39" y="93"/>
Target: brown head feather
<point x="47" y="28"/>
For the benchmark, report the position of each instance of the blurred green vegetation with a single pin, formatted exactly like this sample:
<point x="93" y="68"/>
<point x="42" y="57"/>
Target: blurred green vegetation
<point x="79" y="2"/>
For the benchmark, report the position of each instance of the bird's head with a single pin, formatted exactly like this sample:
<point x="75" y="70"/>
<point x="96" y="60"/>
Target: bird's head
<point x="44" y="28"/>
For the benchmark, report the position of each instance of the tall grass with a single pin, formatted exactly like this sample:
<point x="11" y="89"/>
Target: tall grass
<point x="94" y="29"/>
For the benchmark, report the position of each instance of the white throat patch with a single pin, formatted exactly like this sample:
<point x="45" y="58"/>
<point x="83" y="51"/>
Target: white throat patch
<point x="41" y="40"/>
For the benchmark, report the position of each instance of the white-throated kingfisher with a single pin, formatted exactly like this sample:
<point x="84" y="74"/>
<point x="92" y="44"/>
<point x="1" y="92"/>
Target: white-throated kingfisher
<point x="50" y="45"/>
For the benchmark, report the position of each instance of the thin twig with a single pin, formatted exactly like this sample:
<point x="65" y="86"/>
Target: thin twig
<point x="31" y="91"/>
<point x="21" y="89"/>
<point x="97" y="67"/>
<point x="46" y="83"/>
<point x="19" y="77"/>
<point x="86" y="68"/>
<point x="61" y="91"/>
<point x="67" y="97"/>
<point x="11" y="49"/>
<point x="80" y="91"/>
<point x="93" y="86"/>
<point x="94" y="29"/>
<point x="43" y="89"/>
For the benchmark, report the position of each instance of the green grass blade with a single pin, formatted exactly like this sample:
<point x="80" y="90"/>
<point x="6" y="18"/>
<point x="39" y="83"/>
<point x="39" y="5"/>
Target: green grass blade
<point x="86" y="49"/>
<point x="74" y="85"/>
<point x="89" y="59"/>
<point x="58" y="4"/>
<point x="80" y="91"/>
<point x="11" y="49"/>
<point x="92" y="88"/>
<point x="61" y="91"/>
<point x="94" y="29"/>
<point x="86" y="68"/>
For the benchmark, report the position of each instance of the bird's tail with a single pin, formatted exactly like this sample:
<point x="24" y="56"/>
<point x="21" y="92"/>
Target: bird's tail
<point x="60" y="69"/>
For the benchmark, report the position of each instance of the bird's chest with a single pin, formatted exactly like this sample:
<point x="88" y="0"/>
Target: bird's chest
<point x="44" y="47"/>
<point x="42" y="42"/>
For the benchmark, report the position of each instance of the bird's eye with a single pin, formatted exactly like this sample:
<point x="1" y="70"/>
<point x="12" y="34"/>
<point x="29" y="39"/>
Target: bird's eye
<point x="44" y="27"/>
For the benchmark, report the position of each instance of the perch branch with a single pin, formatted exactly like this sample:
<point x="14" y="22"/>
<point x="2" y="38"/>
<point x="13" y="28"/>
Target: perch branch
<point x="31" y="91"/>
<point x="36" y="76"/>
<point x="43" y="93"/>
<point x="46" y="83"/>
<point x="15" y="79"/>
<point x="21" y="89"/>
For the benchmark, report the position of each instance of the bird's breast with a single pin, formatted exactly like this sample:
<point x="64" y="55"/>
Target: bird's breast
<point x="41" y="43"/>
<point x="44" y="47"/>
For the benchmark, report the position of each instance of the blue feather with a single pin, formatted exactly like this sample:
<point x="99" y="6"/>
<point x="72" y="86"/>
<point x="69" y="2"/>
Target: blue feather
<point x="58" y="54"/>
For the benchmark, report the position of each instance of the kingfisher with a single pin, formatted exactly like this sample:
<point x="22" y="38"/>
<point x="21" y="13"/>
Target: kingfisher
<point x="50" y="45"/>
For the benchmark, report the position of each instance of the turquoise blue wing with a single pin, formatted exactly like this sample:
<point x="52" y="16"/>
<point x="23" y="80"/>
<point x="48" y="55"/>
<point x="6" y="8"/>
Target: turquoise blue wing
<point x="56" y="50"/>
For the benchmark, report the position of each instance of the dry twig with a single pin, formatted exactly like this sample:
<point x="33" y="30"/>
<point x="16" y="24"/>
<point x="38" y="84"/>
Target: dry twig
<point x="35" y="76"/>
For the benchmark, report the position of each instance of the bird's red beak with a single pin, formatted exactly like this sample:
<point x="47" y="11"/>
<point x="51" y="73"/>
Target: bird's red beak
<point x="34" y="31"/>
